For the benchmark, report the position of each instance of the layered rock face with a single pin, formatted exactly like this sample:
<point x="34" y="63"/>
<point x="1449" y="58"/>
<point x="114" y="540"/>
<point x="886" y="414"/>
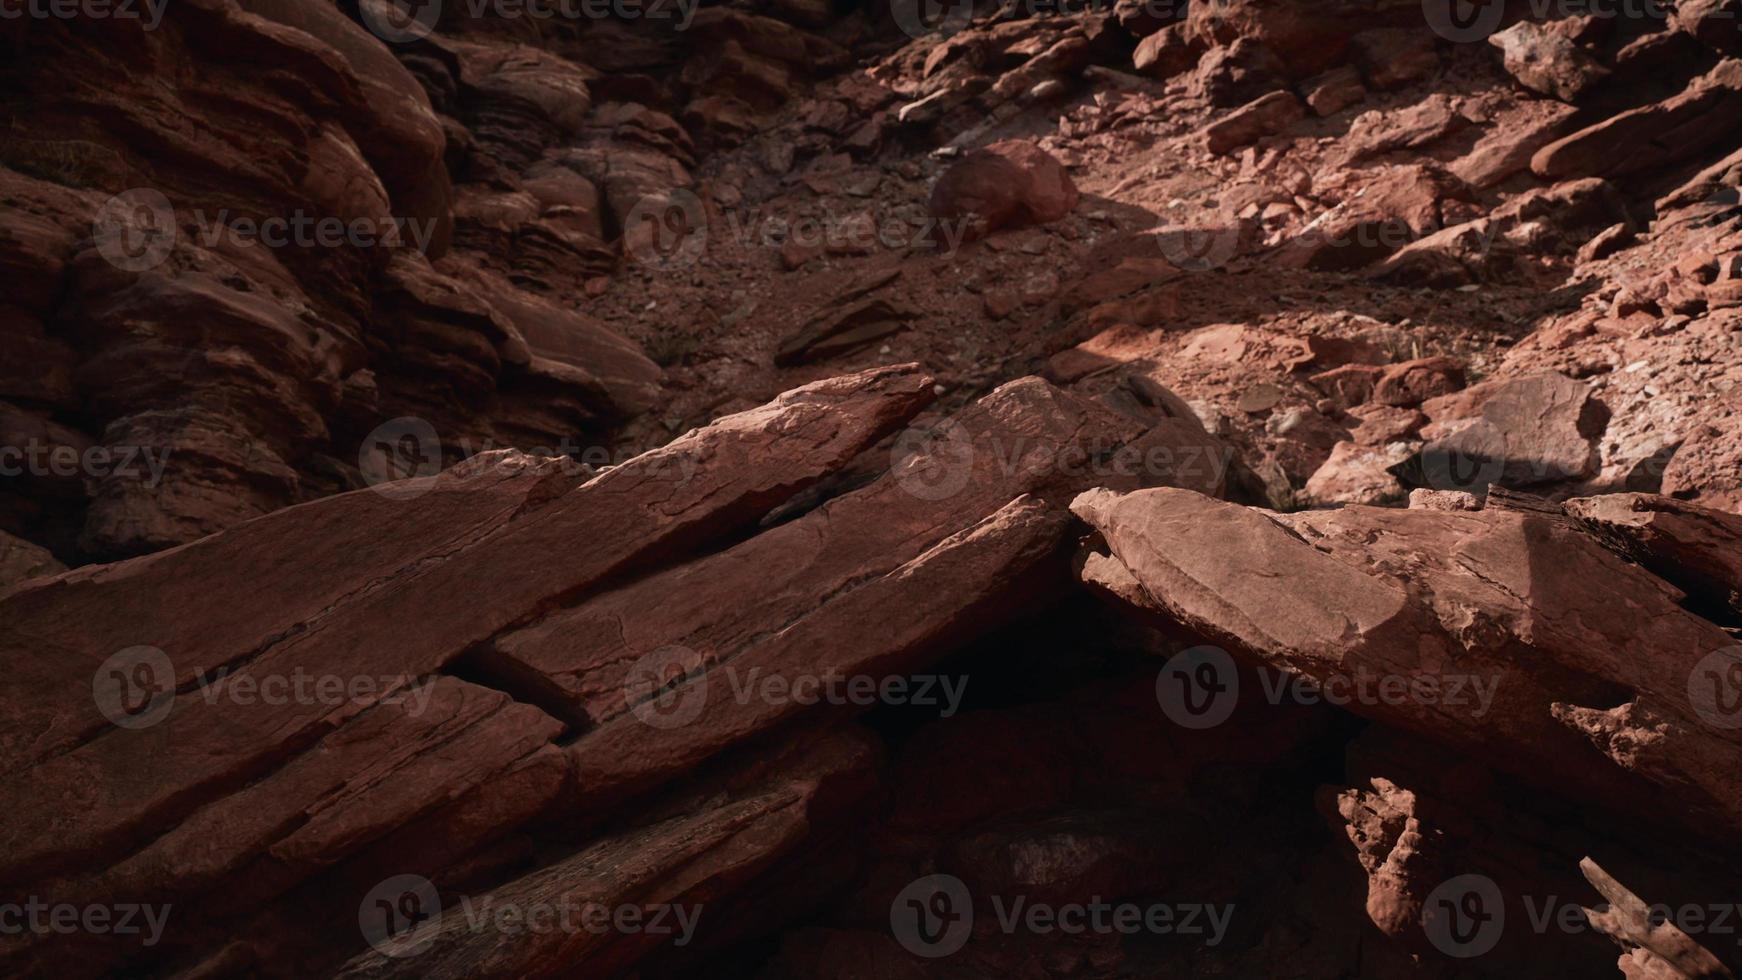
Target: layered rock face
<point x="815" y="491"/>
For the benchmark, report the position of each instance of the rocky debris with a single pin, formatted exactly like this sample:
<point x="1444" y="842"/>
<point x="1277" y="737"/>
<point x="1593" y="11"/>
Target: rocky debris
<point x="1545" y="223"/>
<point x="1535" y="430"/>
<point x="21" y="561"/>
<point x="1240" y="73"/>
<point x="1358" y="474"/>
<point x="1009" y="184"/>
<point x="1651" y="136"/>
<point x="1146" y="210"/>
<point x="1692" y="546"/>
<point x="1392" y="58"/>
<point x="1709" y="22"/>
<point x="1334" y="91"/>
<point x="1166" y="53"/>
<point x="1260" y="118"/>
<point x="837" y="330"/>
<point x="1705" y="467"/>
<point x="1520" y="598"/>
<point x="1409" y="384"/>
<point x="1653" y="948"/>
<point x="1506" y="150"/>
<point x="1387" y="209"/>
<point x="1374" y="133"/>
<point x="1547" y="61"/>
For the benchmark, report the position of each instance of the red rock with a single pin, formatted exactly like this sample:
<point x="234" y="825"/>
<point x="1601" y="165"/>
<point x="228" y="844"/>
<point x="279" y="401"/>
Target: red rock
<point x="1005" y="185"/>
<point x="21" y="561"/>
<point x="1711" y="22"/>
<point x="1707" y="468"/>
<point x="1358" y="474"/>
<point x="1394" y="57"/>
<point x="1387" y="210"/>
<point x="1650" y="136"/>
<point x="1166" y="53"/>
<point x="52" y="708"/>
<point x="1545" y="61"/>
<point x="1242" y="72"/>
<point x="1250" y="123"/>
<point x="1349" y="385"/>
<point x="1307" y="37"/>
<point x="1507" y="150"/>
<point x="1526" y="431"/>
<point x="1389" y="591"/>
<point x="1452" y="500"/>
<point x="1334" y="91"/>
<point x="1695" y="547"/>
<point x="1413" y="382"/>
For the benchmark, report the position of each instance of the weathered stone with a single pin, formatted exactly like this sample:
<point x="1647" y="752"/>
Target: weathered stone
<point x="1546" y="61"/>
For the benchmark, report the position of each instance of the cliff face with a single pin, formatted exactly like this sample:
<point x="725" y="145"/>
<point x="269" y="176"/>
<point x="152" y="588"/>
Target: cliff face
<point x="810" y="491"/>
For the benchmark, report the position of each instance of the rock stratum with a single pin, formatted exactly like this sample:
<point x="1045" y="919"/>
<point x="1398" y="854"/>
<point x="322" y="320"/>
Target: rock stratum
<point x="817" y="491"/>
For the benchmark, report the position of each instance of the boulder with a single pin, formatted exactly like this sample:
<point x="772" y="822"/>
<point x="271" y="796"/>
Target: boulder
<point x="1650" y="136"/>
<point x="1518" y="603"/>
<point x="1533" y="430"/>
<point x="1250" y="123"/>
<point x="1166" y="53"/>
<point x="1707" y="468"/>
<point x="1238" y="74"/>
<point x="1009" y="184"/>
<point x="1546" y="61"/>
